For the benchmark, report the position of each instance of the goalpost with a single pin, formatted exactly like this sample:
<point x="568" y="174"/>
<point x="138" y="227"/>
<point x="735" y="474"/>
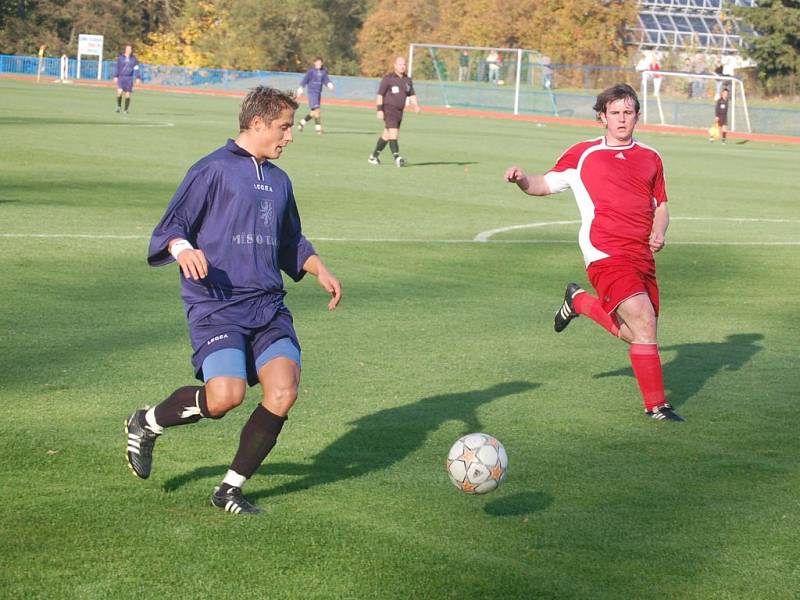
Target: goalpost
<point x="654" y="84"/>
<point x="514" y="79"/>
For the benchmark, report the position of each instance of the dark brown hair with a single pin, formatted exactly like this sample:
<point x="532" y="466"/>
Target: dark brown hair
<point x="264" y="102"/>
<point x="612" y="94"/>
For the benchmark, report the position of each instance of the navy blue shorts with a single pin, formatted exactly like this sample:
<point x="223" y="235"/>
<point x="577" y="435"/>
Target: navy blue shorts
<point x="253" y="342"/>
<point x="314" y="100"/>
<point x="125" y="84"/>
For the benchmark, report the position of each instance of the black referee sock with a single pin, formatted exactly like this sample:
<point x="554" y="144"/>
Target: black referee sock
<point x="394" y="147"/>
<point x="258" y="437"/>
<point x="185" y="405"/>
<point x="379" y="146"/>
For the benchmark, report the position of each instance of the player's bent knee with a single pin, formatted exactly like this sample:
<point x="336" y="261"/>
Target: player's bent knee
<point x="224" y="394"/>
<point x="280" y="399"/>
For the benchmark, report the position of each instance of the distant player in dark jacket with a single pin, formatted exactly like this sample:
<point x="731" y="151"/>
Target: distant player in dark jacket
<point x="721" y="114"/>
<point x="394" y="90"/>
<point x="126" y="69"/>
<point x="314" y="79"/>
<point x="232" y="227"/>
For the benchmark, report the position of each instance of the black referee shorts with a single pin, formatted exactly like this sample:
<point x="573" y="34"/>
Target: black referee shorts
<point x="392" y="117"/>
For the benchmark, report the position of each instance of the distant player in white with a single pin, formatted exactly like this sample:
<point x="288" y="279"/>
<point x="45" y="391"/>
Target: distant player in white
<point x="619" y="186"/>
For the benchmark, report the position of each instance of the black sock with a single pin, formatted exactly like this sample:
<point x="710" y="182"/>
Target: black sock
<point x="185" y="405"/>
<point x="379" y="146"/>
<point x="316" y="120"/>
<point x="258" y="437"/>
<point x="307" y="118"/>
<point x="127" y="103"/>
<point x="119" y="101"/>
<point x="394" y="147"/>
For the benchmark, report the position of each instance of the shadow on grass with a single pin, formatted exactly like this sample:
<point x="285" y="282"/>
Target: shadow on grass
<point x="518" y="505"/>
<point x="432" y="164"/>
<point x="695" y="364"/>
<point x="378" y="441"/>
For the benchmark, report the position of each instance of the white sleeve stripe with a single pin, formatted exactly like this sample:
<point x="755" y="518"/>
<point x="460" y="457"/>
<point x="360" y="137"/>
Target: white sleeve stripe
<point x="558" y="181"/>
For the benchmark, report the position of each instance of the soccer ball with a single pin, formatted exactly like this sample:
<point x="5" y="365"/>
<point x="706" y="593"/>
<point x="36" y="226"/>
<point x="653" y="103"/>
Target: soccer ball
<point x="477" y="463"/>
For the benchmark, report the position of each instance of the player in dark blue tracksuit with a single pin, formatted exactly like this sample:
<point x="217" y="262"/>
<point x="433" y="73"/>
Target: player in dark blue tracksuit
<point x="125" y="70"/>
<point x="233" y="226"/>
<point x="314" y="79"/>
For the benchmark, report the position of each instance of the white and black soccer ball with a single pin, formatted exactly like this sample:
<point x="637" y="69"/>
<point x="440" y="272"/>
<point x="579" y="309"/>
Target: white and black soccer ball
<point x="477" y="463"/>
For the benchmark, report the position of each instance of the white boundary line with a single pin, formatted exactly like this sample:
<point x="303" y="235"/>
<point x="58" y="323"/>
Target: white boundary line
<point x="484" y="237"/>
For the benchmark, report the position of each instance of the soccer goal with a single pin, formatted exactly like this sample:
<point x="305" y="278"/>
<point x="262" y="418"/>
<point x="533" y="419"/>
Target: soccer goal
<point x="503" y="79"/>
<point x="661" y="90"/>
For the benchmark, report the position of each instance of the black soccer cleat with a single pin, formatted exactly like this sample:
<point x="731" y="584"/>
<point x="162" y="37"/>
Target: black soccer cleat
<point x="141" y="440"/>
<point x="233" y="501"/>
<point x="664" y="413"/>
<point x="566" y="313"/>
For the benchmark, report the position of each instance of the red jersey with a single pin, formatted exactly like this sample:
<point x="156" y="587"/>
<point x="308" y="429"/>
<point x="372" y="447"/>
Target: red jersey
<point x="617" y="189"/>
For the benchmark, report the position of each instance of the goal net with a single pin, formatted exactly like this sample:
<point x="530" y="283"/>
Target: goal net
<point x="501" y="79"/>
<point x="687" y="99"/>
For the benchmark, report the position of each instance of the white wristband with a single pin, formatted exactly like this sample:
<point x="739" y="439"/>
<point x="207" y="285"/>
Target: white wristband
<point x="179" y="247"/>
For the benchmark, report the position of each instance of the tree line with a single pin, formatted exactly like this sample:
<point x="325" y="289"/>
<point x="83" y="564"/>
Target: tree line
<point x="359" y="37"/>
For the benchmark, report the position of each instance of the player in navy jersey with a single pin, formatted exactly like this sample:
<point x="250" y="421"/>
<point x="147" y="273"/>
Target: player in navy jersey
<point x="232" y="227"/>
<point x="126" y="69"/>
<point x="619" y="186"/>
<point x="313" y="81"/>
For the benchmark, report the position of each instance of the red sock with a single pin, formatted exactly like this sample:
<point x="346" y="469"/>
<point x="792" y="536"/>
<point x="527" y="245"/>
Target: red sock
<point x="646" y="365"/>
<point x="586" y="304"/>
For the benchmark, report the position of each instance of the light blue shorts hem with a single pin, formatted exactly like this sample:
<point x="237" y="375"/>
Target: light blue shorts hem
<point x="227" y="362"/>
<point x="284" y="347"/>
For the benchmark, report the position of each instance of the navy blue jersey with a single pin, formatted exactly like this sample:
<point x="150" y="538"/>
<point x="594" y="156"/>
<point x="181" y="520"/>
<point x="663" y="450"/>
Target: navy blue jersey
<point x="127" y="67"/>
<point x="314" y="79"/>
<point x="243" y="216"/>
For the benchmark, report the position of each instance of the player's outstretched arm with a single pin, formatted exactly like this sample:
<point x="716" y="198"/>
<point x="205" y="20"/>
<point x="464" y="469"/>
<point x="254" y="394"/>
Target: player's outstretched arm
<point x="326" y="279"/>
<point x="192" y="261"/>
<point x="534" y="185"/>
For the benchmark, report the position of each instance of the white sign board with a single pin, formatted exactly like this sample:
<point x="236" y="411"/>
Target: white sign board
<point x="90" y="45"/>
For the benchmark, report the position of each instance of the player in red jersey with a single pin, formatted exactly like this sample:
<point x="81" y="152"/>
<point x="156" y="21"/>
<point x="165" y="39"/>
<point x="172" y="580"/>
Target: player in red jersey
<point x="618" y="184"/>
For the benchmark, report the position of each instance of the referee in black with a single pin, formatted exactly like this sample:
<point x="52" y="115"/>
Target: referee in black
<point x="721" y="113"/>
<point x="394" y="90"/>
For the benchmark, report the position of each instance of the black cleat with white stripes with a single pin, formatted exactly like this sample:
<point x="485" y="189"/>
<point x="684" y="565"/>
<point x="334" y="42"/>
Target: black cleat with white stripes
<point x="141" y="440"/>
<point x="230" y="499"/>
<point x="664" y="412"/>
<point x="566" y="313"/>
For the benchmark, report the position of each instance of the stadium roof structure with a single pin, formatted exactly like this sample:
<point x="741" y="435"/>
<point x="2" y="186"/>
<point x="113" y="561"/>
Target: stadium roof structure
<point x="697" y="25"/>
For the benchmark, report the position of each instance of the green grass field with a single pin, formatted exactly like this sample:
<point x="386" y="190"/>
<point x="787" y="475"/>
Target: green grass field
<point x="437" y="336"/>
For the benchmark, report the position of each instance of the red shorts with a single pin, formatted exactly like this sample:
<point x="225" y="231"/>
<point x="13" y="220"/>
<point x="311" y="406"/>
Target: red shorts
<point x="617" y="279"/>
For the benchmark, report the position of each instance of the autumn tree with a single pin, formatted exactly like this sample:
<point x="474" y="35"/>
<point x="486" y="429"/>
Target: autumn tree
<point x="569" y="31"/>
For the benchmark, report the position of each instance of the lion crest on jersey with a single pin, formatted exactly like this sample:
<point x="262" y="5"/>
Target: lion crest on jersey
<point x="266" y="212"/>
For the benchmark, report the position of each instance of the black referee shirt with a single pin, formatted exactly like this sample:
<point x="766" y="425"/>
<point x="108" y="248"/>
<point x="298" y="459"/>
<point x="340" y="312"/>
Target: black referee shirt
<point x="395" y="89"/>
